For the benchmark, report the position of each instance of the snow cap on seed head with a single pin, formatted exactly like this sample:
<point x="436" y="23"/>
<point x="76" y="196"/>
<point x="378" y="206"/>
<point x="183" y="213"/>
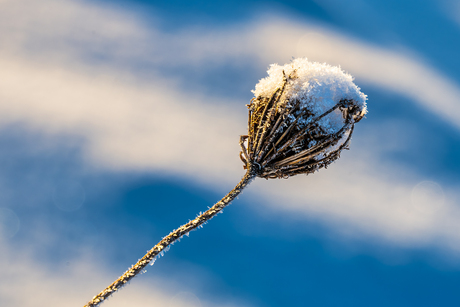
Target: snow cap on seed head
<point x="319" y="86"/>
<point x="301" y="118"/>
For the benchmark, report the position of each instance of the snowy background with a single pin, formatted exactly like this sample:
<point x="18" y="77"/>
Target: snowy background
<point x="120" y="121"/>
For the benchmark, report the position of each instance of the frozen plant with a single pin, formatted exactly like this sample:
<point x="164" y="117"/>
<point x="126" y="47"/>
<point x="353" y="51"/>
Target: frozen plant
<point x="300" y="119"/>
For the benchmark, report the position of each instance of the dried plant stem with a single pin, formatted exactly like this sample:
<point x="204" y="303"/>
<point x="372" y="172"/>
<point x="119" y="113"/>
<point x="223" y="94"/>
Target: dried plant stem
<point x="172" y="237"/>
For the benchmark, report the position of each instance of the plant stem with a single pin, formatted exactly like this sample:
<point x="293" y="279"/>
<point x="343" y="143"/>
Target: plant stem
<point x="172" y="237"/>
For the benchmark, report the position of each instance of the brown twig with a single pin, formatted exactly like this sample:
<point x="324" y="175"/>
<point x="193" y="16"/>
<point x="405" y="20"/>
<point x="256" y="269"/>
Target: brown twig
<point x="251" y="173"/>
<point x="285" y="138"/>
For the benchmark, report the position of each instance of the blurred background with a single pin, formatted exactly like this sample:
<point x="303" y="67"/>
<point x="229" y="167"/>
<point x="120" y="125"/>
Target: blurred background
<point x="120" y="121"/>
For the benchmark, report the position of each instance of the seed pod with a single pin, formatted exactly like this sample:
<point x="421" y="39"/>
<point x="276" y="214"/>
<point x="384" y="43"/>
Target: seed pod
<point x="301" y="118"/>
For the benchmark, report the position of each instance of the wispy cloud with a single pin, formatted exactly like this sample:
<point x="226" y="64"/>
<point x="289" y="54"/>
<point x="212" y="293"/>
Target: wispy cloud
<point x="78" y="31"/>
<point x="358" y="201"/>
<point x="68" y="70"/>
<point x="451" y="8"/>
<point x="28" y="283"/>
<point x="125" y="125"/>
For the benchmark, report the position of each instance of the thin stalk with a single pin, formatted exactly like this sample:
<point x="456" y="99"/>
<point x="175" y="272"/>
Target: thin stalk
<point x="172" y="237"/>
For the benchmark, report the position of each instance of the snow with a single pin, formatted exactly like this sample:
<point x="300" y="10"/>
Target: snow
<point x="318" y="86"/>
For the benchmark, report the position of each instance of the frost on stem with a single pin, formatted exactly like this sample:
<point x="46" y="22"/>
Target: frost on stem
<point x="301" y="118"/>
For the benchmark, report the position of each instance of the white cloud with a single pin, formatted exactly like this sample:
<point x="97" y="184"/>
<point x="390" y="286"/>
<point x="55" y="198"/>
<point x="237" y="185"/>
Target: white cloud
<point x="49" y="83"/>
<point x="74" y="30"/>
<point x="125" y="125"/>
<point x="451" y="8"/>
<point x="27" y="283"/>
<point x="364" y="202"/>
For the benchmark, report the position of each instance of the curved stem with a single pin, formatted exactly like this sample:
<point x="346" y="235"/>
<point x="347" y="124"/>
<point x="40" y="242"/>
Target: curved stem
<point x="173" y="236"/>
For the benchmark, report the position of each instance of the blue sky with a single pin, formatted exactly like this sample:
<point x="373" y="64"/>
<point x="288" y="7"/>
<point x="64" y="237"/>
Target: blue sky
<point x="120" y="121"/>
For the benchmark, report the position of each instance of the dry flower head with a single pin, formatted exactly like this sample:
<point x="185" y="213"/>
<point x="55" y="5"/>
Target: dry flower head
<point x="301" y="118"/>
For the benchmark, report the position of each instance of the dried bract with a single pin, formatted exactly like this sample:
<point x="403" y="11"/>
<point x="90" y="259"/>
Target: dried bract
<point x="301" y="118"/>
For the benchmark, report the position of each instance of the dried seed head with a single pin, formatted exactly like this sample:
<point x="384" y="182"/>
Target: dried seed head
<point x="301" y="118"/>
